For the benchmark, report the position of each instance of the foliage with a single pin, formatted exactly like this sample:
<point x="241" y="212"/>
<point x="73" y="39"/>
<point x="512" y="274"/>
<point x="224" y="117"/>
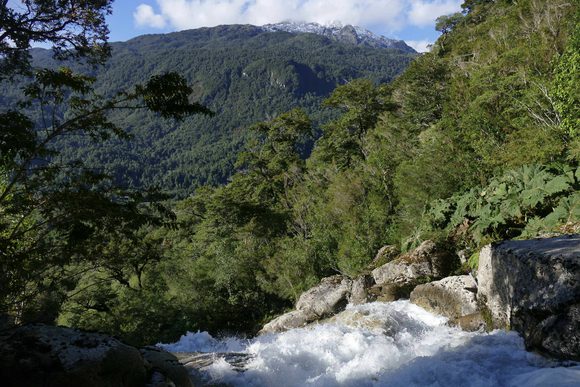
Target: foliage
<point x="242" y="73"/>
<point x="342" y="142"/>
<point x="54" y="214"/>
<point x="521" y="203"/>
<point x="565" y="91"/>
<point x="476" y="141"/>
<point x="74" y="28"/>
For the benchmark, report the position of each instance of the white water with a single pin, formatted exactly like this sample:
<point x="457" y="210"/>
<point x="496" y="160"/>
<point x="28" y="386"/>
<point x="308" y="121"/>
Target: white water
<point x="381" y="344"/>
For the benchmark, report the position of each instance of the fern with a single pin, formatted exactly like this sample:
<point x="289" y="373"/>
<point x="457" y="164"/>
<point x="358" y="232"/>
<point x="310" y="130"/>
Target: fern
<point x="521" y="203"/>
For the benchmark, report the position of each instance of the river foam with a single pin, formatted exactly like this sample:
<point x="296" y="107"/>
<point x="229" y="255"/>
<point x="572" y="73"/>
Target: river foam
<point x="381" y="344"/>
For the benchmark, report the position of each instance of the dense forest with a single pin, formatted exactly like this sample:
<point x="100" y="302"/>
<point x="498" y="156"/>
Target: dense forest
<point x="241" y="72"/>
<point x="476" y="141"/>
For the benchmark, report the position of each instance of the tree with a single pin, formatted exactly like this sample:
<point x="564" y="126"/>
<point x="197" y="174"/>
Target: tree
<point x="565" y="91"/>
<point x="447" y="23"/>
<point x="273" y="164"/>
<point x="74" y="28"/>
<point x="54" y="215"/>
<point x="343" y="139"/>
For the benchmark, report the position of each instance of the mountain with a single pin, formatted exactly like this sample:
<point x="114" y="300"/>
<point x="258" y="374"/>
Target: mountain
<point x="338" y="32"/>
<point x="244" y="73"/>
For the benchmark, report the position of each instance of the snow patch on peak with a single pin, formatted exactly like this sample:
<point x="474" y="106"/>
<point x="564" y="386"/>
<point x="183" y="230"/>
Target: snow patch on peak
<point x="339" y="32"/>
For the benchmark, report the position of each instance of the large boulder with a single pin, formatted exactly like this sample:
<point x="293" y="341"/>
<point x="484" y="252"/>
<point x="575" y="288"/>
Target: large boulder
<point x="452" y="297"/>
<point x="427" y="262"/>
<point x="360" y="290"/>
<point x="327" y="298"/>
<point x="293" y="319"/>
<point x="533" y="286"/>
<point x="41" y="355"/>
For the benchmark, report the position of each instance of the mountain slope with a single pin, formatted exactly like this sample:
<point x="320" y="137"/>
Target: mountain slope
<point x="243" y="73"/>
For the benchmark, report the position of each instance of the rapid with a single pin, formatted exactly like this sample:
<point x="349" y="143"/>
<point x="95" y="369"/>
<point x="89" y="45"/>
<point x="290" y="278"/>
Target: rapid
<point x="379" y="344"/>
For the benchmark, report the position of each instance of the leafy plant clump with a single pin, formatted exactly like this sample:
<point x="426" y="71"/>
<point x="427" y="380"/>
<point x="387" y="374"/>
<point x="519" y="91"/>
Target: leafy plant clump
<point x="522" y="203"/>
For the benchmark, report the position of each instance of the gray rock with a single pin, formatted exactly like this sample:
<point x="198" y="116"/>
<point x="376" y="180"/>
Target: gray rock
<point x="41" y="355"/>
<point x="533" y="287"/>
<point x="165" y="363"/>
<point x="390" y="292"/>
<point x="426" y="262"/>
<point x="359" y="293"/>
<point x="471" y="322"/>
<point x="294" y="319"/>
<point x="451" y="297"/>
<point x="197" y="363"/>
<point x="327" y="298"/>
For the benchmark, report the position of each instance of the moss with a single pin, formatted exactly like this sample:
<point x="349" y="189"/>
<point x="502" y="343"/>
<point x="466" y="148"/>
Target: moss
<point x="485" y="313"/>
<point x="473" y="261"/>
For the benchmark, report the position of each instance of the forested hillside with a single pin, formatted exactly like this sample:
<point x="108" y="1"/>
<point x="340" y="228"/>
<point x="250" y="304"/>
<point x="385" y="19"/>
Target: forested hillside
<point x="476" y="141"/>
<point x="243" y="73"/>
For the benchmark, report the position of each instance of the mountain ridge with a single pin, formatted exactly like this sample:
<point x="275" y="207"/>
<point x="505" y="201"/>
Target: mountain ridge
<point x="342" y="33"/>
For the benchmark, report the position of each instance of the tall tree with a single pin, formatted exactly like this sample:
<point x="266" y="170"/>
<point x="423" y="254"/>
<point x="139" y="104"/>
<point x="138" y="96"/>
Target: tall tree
<point x="54" y="214"/>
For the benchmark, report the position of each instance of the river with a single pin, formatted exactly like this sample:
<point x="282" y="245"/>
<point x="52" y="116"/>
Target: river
<point x="380" y="344"/>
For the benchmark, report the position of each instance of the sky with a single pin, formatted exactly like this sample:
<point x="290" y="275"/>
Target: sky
<point x="410" y="20"/>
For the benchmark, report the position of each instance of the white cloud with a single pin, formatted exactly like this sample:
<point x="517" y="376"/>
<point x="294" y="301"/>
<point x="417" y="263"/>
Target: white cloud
<point x="420" y="45"/>
<point x="145" y="16"/>
<point x="423" y="13"/>
<point x="388" y="16"/>
<point x="183" y="14"/>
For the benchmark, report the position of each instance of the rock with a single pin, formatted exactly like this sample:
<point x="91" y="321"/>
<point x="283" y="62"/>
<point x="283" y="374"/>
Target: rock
<point x="359" y="293"/>
<point x="166" y="364"/>
<point x="325" y="299"/>
<point x="428" y="261"/>
<point x="196" y="363"/>
<point x="390" y="292"/>
<point x="294" y="319"/>
<point x="385" y="254"/>
<point x="472" y="322"/>
<point x="41" y="355"/>
<point x="558" y="334"/>
<point x="533" y="287"/>
<point x="452" y="297"/>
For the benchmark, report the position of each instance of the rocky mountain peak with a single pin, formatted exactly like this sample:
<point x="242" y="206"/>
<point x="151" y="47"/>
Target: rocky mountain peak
<point x="342" y="33"/>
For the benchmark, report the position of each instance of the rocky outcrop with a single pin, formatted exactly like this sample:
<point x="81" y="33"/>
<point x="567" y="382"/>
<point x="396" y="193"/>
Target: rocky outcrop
<point x="293" y="319"/>
<point x="397" y="278"/>
<point x="41" y="355"/>
<point x="360" y="290"/>
<point x="164" y="368"/>
<point x="533" y="287"/>
<point x="453" y="297"/>
<point x="388" y="282"/>
<point x="324" y="300"/>
<point x="198" y="363"/>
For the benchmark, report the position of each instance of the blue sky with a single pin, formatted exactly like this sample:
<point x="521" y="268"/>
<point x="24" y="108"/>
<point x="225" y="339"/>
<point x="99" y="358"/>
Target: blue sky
<point x="410" y="20"/>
